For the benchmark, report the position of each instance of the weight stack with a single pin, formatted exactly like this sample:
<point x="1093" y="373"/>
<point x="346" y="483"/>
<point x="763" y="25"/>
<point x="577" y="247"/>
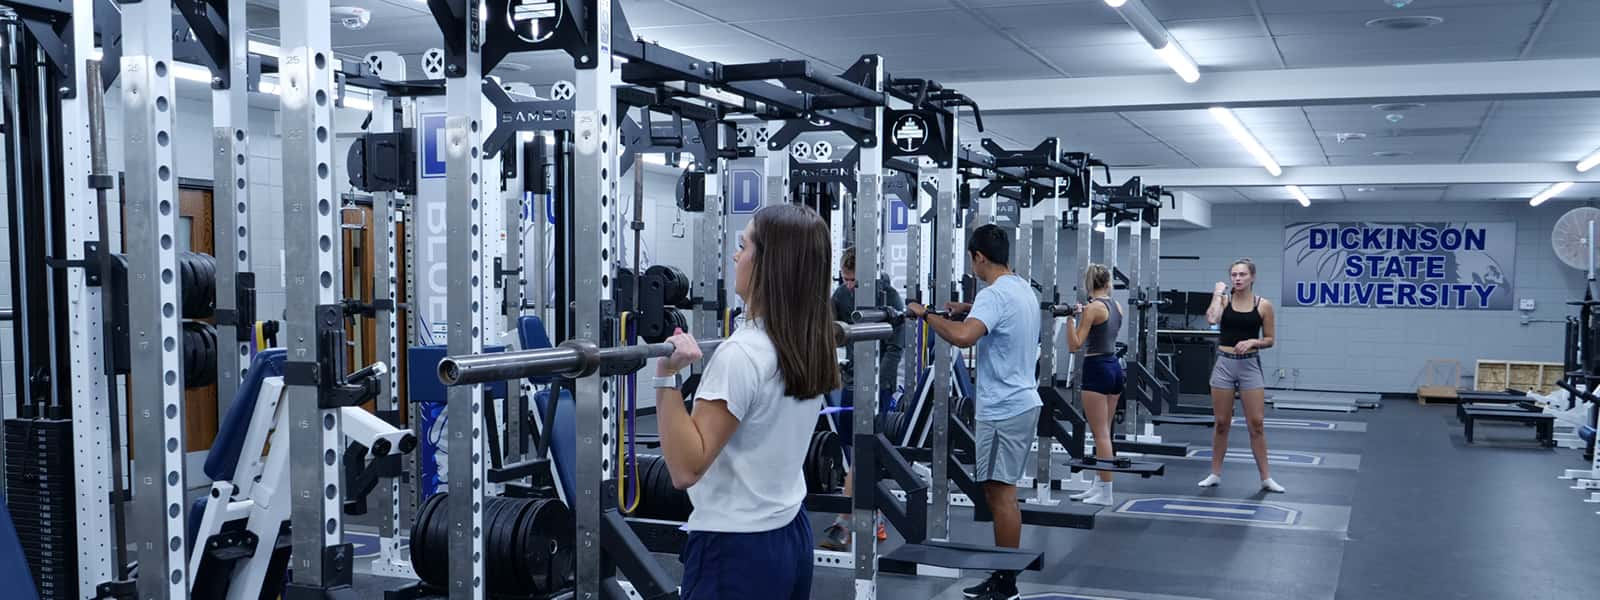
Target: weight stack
<point x="40" y="497"/>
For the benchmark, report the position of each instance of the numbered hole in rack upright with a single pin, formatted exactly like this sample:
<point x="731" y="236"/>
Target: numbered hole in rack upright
<point x="165" y="206"/>
<point x="161" y="103"/>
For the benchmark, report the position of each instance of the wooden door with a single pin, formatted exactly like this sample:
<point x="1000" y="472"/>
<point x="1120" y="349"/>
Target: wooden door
<point x="195" y="229"/>
<point x="356" y="235"/>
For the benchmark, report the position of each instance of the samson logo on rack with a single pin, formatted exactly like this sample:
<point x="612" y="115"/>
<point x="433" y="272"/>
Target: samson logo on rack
<point x="1400" y="265"/>
<point x="919" y="133"/>
<point x="910" y="132"/>
<point x="547" y="116"/>
<point x="828" y="171"/>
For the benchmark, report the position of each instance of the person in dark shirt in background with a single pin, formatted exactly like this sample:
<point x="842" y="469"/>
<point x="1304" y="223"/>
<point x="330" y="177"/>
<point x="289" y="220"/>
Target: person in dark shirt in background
<point x="837" y="536"/>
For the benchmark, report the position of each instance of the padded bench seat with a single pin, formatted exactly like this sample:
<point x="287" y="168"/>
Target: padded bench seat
<point x="1544" y="424"/>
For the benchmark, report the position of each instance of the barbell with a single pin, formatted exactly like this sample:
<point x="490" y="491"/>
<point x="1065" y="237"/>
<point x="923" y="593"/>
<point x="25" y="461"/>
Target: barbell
<point x="582" y="358"/>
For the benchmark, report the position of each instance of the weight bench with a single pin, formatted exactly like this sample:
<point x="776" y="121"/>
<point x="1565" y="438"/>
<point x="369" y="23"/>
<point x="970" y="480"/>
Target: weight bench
<point x="1544" y="424"/>
<point x="1482" y="397"/>
<point x="239" y="536"/>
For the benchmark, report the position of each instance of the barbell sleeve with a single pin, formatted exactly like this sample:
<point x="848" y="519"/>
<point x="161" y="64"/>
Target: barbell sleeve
<point x="581" y="358"/>
<point x="877" y="315"/>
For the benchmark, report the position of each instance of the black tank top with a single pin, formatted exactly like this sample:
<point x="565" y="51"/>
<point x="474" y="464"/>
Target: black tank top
<point x="1239" y="326"/>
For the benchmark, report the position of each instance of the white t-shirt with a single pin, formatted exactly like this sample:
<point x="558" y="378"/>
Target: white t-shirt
<point x="758" y="482"/>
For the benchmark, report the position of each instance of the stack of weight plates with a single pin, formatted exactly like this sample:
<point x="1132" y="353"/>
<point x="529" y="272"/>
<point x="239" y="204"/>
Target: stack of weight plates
<point x="39" y="496"/>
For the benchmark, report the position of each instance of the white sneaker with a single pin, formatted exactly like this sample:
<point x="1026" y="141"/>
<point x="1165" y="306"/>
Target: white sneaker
<point x="1101" y="496"/>
<point x="1083" y="494"/>
<point x="1211" y="480"/>
<point x="1272" y="486"/>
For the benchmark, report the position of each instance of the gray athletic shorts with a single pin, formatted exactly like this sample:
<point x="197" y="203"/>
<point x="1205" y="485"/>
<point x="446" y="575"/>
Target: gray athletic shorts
<point x="1003" y="447"/>
<point x="1238" y="374"/>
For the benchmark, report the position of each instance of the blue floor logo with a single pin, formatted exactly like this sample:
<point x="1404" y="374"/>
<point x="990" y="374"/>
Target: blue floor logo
<point x="1290" y="423"/>
<point x="1212" y="510"/>
<point x="1279" y="457"/>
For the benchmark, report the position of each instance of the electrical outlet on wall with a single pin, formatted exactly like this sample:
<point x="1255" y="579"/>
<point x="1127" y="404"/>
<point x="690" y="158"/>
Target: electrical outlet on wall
<point x="1525" y="304"/>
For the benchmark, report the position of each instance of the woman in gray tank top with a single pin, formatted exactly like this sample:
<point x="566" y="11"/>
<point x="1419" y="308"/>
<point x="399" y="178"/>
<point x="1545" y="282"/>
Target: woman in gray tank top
<point x="1095" y="329"/>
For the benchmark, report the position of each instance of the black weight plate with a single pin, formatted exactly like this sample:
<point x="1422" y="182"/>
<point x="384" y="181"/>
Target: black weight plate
<point x="511" y="532"/>
<point x="210" y="285"/>
<point x="419" y="539"/>
<point x="518" y="573"/>
<point x="426" y="539"/>
<point x="495" y="541"/>
<point x="185" y="283"/>
<point x="654" y="503"/>
<point x="190" y="351"/>
<point x="830" y="457"/>
<point x="813" y="456"/>
<point x="439" y="538"/>
<point x="211" y="357"/>
<point x="551" y="538"/>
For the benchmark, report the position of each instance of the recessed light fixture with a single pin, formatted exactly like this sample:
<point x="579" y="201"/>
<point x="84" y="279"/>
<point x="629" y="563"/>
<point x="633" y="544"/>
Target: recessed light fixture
<point x="1351" y="136"/>
<point x="1395" y="107"/>
<point x="1405" y="23"/>
<point x="1366" y="190"/>
<point x="1391" y="153"/>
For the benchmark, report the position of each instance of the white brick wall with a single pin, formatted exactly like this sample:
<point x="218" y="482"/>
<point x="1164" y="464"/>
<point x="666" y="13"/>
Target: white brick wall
<point x="1382" y="350"/>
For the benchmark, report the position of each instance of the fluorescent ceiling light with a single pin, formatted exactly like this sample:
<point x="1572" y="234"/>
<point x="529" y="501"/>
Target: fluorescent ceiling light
<point x="1589" y="163"/>
<point x="1232" y="124"/>
<point x="1179" y="60"/>
<point x="661" y="160"/>
<point x="191" y="72"/>
<point x="1149" y="27"/>
<point x="1299" y="194"/>
<point x="263" y="48"/>
<point x="358" y="103"/>
<point x="1553" y="191"/>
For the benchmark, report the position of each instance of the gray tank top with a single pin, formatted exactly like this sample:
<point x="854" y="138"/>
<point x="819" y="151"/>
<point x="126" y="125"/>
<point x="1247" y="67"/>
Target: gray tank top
<point x="1103" y="336"/>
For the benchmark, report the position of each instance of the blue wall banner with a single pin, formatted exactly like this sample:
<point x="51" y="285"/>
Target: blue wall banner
<point x="1438" y="265"/>
<point x="432" y="146"/>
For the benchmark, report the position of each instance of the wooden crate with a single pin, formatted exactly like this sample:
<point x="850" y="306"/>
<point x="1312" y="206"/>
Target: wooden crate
<point x="1527" y="376"/>
<point x="1440" y="380"/>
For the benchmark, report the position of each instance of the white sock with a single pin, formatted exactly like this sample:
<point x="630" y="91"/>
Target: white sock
<point x="1272" y="486"/>
<point x="1101" y="495"/>
<point x="1211" y="480"/>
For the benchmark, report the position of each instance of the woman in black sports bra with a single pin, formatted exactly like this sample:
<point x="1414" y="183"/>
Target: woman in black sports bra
<point x="1247" y="325"/>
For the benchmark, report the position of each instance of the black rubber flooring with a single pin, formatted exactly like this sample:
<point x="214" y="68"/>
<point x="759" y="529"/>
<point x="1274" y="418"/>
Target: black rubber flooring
<point x="1424" y="516"/>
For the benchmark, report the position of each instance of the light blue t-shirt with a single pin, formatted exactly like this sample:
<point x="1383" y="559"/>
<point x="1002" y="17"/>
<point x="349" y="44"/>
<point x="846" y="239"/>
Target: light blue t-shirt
<point x="1009" y="354"/>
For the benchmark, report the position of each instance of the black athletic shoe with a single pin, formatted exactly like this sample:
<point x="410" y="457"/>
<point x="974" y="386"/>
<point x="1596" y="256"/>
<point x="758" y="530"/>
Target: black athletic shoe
<point x="1002" y="591"/>
<point x="983" y="588"/>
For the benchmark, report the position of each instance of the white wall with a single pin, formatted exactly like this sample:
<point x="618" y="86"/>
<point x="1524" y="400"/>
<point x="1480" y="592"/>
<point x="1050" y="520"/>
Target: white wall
<point x="1373" y="349"/>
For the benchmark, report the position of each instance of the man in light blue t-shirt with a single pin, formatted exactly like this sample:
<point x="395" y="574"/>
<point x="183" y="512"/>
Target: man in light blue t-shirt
<point x="1003" y="322"/>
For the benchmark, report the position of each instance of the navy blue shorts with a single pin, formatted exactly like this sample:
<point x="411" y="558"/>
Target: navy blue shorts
<point x="1103" y="374"/>
<point x="770" y="565"/>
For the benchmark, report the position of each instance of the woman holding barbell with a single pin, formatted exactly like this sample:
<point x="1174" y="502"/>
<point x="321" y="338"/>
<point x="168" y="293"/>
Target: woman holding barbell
<point x="1247" y="326"/>
<point x="1095" y="329"/>
<point x="740" y="454"/>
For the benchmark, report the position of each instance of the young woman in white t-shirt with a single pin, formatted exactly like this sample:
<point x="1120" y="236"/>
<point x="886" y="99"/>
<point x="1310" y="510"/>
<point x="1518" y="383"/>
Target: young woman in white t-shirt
<point x="740" y="454"/>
